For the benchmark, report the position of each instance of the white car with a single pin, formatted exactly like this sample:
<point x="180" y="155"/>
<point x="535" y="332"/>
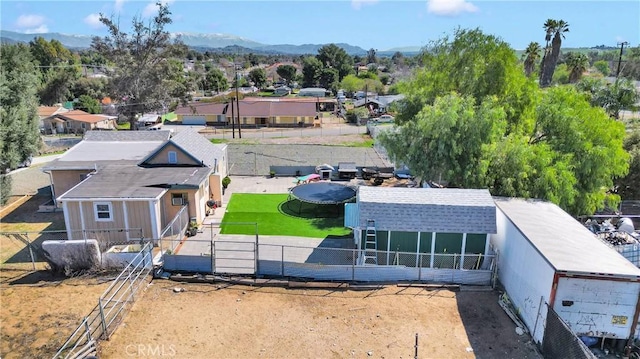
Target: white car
<point x="385" y="118"/>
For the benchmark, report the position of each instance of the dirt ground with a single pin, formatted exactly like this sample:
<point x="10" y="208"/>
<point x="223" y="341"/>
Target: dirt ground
<point x="233" y="321"/>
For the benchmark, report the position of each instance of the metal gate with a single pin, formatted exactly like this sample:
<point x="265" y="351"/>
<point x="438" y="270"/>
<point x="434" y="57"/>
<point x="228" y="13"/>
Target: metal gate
<point x="232" y="257"/>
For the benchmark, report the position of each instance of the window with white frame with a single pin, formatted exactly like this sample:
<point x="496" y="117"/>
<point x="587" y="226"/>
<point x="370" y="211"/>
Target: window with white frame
<point x="103" y="211"/>
<point x="173" y="157"/>
<point x="179" y="199"/>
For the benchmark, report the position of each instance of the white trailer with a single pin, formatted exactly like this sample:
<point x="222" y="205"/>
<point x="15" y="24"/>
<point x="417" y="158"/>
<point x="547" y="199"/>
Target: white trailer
<point x="546" y="256"/>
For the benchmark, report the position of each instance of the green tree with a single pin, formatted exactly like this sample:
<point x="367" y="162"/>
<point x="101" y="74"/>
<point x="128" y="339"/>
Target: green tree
<point x="93" y="87"/>
<point x="19" y="135"/>
<point x="561" y="75"/>
<point x="311" y="71"/>
<point x="59" y="70"/>
<point x="328" y="78"/>
<point x="88" y="104"/>
<point x="215" y="80"/>
<point x="511" y="137"/>
<point x="332" y="56"/>
<point x="603" y="67"/>
<point x="577" y="64"/>
<point x="557" y="28"/>
<point x="453" y="65"/>
<point x="371" y="57"/>
<point x="352" y="83"/>
<point x="258" y="76"/>
<point x="287" y="73"/>
<point x="628" y="187"/>
<point x="450" y="139"/>
<point x="142" y="78"/>
<point x="531" y="56"/>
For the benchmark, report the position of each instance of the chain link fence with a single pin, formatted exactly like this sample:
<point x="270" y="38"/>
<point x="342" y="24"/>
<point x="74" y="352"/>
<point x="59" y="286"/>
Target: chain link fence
<point x="23" y="250"/>
<point x="560" y="341"/>
<point x="260" y="160"/>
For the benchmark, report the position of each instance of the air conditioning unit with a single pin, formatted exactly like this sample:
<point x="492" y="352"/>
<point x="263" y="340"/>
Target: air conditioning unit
<point x="179" y="201"/>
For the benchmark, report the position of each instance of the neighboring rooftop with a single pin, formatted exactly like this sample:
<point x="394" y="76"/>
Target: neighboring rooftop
<point x="565" y="243"/>
<point x="138" y="136"/>
<point x="81" y="116"/>
<point x="47" y="111"/>
<point x="198" y="146"/>
<point x="124" y="182"/>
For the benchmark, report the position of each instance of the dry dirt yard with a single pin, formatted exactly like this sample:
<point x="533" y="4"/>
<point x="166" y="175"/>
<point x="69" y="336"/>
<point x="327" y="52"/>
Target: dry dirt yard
<point x="38" y="310"/>
<point x="233" y="321"/>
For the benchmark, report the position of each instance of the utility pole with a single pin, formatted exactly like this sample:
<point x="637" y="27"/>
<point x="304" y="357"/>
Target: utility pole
<point x="233" y="120"/>
<point x="621" y="44"/>
<point x="238" y="101"/>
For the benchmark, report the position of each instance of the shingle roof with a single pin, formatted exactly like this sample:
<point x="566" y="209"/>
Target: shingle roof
<point x="81" y="116"/>
<point x="198" y="146"/>
<point x="565" y="243"/>
<point x="91" y="154"/>
<point x="444" y="210"/>
<point x="122" y="182"/>
<point x="137" y="136"/>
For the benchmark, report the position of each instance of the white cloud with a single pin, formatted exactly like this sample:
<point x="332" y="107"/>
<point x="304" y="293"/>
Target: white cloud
<point x="357" y="4"/>
<point x="450" y="7"/>
<point x="38" y="30"/>
<point x="28" y="21"/>
<point x="152" y="9"/>
<point x="93" y="20"/>
<point x="118" y="5"/>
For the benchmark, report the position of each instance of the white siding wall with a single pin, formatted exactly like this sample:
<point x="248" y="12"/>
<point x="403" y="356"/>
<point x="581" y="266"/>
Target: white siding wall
<point x="524" y="273"/>
<point x="597" y="307"/>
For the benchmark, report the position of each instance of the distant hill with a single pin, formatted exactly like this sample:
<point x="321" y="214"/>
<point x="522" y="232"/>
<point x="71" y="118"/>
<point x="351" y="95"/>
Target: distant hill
<point x="202" y="42"/>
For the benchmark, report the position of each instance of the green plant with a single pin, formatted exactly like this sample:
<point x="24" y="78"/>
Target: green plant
<point x="226" y="181"/>
<point x="272" y="173"/>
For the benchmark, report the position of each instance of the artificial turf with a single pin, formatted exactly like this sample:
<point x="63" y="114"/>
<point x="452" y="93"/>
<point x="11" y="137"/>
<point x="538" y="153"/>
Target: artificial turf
<point x="275" y="215"/>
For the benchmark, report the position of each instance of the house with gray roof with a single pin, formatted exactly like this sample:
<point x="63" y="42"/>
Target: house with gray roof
<point x="429" y="229"/>
<point x="120" y="182"/>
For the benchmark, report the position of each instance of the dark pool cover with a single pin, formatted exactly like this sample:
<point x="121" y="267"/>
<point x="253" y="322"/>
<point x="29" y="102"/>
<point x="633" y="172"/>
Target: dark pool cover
<point x="323" y="193"/>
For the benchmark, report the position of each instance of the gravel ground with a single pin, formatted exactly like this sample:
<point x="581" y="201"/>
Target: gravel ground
<point x="251" y="160"/>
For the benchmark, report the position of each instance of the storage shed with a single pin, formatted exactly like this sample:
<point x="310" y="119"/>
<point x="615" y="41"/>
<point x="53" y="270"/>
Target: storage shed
<point x="442" y="228"/>
<point x="546" y="256"/>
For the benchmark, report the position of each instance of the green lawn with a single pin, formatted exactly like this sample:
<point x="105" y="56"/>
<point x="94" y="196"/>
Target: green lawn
<point x="276" y="216"/>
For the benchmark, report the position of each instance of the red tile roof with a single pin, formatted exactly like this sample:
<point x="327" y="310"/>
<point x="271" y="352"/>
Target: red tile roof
<point x="81" y="116"/>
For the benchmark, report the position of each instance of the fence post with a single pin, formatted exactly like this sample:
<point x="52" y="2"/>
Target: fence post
<point x="535" y="326"/>
<point x="103" y="320"/>
<point x="257" y="252"/>
<point x="420" y="268"/>
<point x="33" y="260"/>
<point x="87" y="328"/>
<point x="282" y="261"/>
<point x="353" y="265"/>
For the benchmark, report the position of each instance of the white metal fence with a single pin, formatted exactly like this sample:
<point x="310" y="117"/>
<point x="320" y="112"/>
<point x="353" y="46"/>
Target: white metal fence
<point x="251" y="257"/>
<point x="112" y="306"/>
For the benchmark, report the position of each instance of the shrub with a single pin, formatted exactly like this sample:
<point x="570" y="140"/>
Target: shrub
<point x="226" y="181"/>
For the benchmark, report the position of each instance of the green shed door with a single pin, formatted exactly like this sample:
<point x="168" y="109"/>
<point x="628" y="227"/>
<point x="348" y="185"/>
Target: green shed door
<point x="449" y="243"/>
<point x="475" y="243"/>
<point x="404" y="242"/>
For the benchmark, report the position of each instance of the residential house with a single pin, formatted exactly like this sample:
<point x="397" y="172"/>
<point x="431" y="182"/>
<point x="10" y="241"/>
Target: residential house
<point x="78" y="122"/>
<point x="254" y="112"/>
<point x="377" y="104"/>
<point x="137" y="182"/>
<point x="46" y="113"/>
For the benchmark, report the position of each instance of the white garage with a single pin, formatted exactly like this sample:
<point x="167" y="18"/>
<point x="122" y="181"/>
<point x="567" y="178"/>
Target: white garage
<point x="194" y="120"/>
<point x="546" y="256"/>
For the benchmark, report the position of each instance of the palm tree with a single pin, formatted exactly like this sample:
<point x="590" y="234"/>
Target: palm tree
<point x="531" y="56"/>
<point x="577" y="64"/>
<point x="548" y="27"/>
<point x="551" y="58"/>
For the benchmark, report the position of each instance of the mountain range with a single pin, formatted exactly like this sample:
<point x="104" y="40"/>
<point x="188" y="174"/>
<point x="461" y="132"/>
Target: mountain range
<point x="203" y="42"/>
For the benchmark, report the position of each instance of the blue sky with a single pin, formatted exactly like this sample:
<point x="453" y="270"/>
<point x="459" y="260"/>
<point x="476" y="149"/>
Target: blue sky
<point x="375" y="24"/>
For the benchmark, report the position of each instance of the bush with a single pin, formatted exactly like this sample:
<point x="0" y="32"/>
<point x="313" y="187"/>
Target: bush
<point x="226" y="181"/>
